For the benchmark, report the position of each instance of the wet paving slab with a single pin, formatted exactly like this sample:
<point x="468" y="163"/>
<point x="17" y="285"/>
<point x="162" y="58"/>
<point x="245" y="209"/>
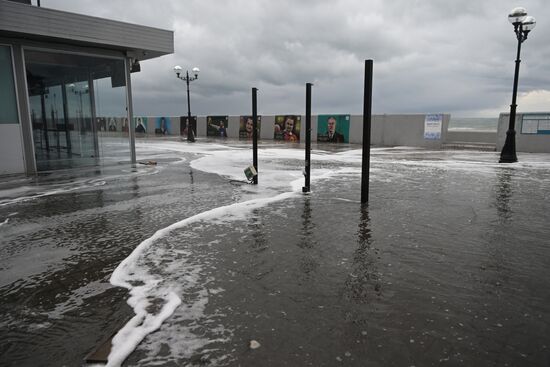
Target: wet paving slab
<point x="446" y="265"/>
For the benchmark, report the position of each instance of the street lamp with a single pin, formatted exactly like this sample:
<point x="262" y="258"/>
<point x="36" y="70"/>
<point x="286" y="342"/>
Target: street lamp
<point x="79" y="92"/>
<point x="523" y="24"/>
<point x="187" y="79"/>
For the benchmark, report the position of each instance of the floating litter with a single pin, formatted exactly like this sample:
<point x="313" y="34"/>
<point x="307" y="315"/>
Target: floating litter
<point x="254" y="344"/>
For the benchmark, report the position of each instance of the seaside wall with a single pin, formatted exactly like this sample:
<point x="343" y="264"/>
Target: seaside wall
<point x="386" y="130"/>
<point x="532" y="132"/>
<point x="394" y="130"/>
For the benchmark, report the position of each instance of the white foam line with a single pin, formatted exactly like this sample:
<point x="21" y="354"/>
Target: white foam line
<point x="348" y="200"/>
<point x="5" y="222"/>
<point x="81" y="185"/>
<point x="144" y="323"/>
<point x="49" y="193"/>
<point x="126" y="340"/>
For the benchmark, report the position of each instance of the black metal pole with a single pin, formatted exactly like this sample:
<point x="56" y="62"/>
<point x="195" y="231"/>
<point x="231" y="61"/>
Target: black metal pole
<point x="190" y="133"/>
<point x="66" y="120"/>
<point x="255" y="133"/>
<point x="307" y="187"/>
<point x="367" y="106"/>
<point x="508" y="154"/>
<point x="45" y="122"/>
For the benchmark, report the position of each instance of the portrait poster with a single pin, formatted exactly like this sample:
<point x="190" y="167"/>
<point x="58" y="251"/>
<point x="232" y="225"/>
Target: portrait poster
<point x="163" y="126"/>
<point x="101" y="124"/>
<point x="141" y="124"/>
<point x="125" y="126"/>
<point x="333" y="128"/>
<point x="246" y="127"/>
<point x="114" y="124"/>
<point x="183" y="125"/>
<point x="217" y="126"/>
<point x="432" y="127"/>
<point x="287" y="128"/>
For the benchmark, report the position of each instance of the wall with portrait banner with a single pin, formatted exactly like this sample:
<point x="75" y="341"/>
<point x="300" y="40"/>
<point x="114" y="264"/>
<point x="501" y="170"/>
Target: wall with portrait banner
<point x="418" y="130"/>
<point x="246" y="127"/>
<point x="399" y="130"/>
<point x="217" y="126"/>
<point x="144" y="125"/>
<point x="184" y="125"/>
<point x="287" y="128"/>
<point x="333" y="128"/>
<point x="162" y="126"/>
<point x="141" y="125"/>
<point x="415" y="130"/>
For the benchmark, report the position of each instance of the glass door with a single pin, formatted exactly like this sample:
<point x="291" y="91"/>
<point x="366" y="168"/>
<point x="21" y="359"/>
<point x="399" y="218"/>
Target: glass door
<point x="64" y="105"/>
<point x="79" y="116"/>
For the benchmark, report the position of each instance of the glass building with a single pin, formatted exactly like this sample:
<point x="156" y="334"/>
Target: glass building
<point x="65" y="91"/>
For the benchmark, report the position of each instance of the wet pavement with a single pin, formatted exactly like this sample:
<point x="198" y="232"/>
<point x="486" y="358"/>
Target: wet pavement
<point x="446" y="265"/>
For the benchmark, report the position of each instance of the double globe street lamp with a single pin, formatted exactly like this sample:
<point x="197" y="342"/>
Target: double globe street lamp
<point x="523" y="24"/>
<point x="178" y="70"/>
<point x="79" y="91"/>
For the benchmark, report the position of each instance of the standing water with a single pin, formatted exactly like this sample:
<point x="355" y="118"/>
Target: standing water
<point x="447" y="263"/>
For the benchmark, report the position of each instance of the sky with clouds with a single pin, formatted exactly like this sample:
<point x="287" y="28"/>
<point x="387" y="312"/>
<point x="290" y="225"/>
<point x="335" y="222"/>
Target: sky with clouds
<point x="451" y="56"/>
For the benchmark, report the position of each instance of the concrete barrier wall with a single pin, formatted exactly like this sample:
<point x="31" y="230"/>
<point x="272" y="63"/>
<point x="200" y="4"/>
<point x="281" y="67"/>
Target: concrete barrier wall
<point x="266" y="131"/>
<point x="386" y="130"/>
<point x="408" y="130"/>
<point x="201" y="126"/>
<point x="529" y="143"/>
<point x="395" y="130"/>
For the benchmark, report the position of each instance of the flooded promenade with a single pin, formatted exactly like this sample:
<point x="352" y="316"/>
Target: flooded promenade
<point x="192" y="266"/>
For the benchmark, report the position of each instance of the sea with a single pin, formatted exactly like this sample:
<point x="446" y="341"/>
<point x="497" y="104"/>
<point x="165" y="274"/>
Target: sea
<point x="474" y="123"/>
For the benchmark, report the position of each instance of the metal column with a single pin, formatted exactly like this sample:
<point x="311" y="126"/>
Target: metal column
<point x="255" y="132"/>
<point x="367" y="111"/>
<point x="307" y="170"/>
<point x="130" y="110"/>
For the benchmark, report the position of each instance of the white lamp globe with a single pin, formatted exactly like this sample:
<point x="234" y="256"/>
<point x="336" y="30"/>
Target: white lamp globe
<point x="517" y="15"/>
<point x="529" y="23"/>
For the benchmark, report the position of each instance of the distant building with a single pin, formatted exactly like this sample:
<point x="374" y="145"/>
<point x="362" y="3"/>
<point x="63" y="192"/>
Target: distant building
<point x="65" y="79"/>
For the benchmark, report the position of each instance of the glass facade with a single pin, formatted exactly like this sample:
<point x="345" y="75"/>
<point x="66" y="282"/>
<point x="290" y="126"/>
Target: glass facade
<point x="72" y="98"/>
<point x="8" y="101"/>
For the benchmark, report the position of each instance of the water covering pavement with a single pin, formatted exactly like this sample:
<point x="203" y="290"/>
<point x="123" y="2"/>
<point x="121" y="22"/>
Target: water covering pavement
<point x="446" y="265"/>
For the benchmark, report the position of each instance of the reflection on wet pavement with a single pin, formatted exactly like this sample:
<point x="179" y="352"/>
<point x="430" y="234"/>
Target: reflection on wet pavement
<point x="446" y="264"/>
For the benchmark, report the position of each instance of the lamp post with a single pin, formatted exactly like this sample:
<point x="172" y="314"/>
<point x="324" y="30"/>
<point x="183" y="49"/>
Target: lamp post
<point x="187" y="79"/>
<point x="79" y="93"/>
<point x="523" y="24"/>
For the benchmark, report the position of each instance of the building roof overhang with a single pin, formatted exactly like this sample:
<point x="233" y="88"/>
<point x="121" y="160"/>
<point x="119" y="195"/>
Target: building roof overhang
<point x="53" y="26"/>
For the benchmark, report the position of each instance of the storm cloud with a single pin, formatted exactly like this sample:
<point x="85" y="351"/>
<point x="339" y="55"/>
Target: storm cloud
<point x="429" y="56"/>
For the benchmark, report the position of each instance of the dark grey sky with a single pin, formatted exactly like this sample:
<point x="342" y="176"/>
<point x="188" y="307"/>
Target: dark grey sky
<point x="452" y="56"/>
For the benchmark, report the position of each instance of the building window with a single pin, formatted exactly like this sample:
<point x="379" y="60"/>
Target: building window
<point x="8" y="101"/>
<point x="77" y="109"/>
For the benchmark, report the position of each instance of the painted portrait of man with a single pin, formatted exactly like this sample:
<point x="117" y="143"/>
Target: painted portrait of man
<point x="333" y="128"/>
